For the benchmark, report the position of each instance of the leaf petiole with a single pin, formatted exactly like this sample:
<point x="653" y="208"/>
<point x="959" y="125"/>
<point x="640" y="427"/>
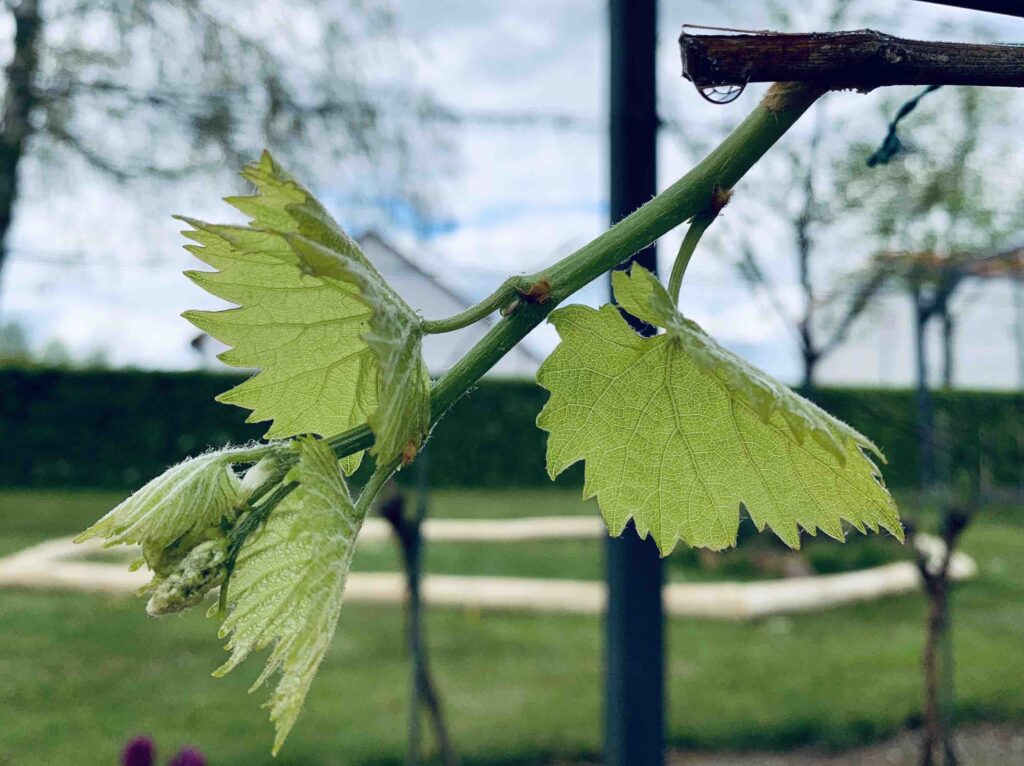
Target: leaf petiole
<point x="506" y="293"/>
<point x="373" y="486"/>
<point x="698" y="226"/>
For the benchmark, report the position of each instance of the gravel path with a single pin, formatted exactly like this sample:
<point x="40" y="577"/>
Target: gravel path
<point x="60" y="564"/>
<point x="977" y="745"/>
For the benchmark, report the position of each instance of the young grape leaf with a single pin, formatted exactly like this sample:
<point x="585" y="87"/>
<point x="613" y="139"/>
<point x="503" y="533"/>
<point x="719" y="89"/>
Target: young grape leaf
<point x="323" y="341"/>
<point x="289" y="579"/>
<point x="193" y="495"/>
<point x="316" y="374"/>
<point x="402" y="418"/>
<point x="642" y="295"/>
<point x="678" y="433"/>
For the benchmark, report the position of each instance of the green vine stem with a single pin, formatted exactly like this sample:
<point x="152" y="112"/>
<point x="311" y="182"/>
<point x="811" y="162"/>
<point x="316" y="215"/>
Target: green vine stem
<point x="373" y="486"/>
<point x="781" y="107"/>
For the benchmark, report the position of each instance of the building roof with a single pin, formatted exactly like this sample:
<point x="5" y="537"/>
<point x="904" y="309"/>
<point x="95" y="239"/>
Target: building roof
<point x="430" y="295"/>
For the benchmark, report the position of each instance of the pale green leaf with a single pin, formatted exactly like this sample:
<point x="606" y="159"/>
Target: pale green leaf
<point x="193" y="495"/>
<point x="402" y="418"/>
<point x="282" y="204"/>
<point x="316" y="373"/>
<point x="675" y="436"/>
<point x="289" y="579"/>
<point x="330" y="346"/>
<point x="642" y="295"/>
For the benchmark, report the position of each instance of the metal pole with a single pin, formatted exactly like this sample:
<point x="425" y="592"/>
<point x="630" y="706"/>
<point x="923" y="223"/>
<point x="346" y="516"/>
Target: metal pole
<point x="635" y="684"/>
<point x="414" y="573"/>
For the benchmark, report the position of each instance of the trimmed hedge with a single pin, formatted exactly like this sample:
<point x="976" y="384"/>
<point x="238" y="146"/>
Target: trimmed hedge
<point x="119" y="428"/>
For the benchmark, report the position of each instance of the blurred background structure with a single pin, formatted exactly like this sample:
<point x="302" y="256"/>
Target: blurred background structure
<point x="462" y="143"/>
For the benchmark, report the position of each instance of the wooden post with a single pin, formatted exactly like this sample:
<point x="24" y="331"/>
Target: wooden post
<point x="859" y="60"/>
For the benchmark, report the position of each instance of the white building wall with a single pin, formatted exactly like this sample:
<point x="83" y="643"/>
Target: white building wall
<point x="987" y="354"/>
<point x="427" y="294"/>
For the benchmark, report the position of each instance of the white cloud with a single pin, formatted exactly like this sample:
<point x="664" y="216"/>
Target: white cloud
<point x="523" y="195"/>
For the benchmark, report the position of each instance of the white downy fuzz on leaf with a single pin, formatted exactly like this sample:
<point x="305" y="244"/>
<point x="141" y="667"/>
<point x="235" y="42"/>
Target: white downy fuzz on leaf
<point x="270" y="468"/>
<point x="193" y="495"/>
<point x="287" y="585"/>
<point x="201" y="570"/>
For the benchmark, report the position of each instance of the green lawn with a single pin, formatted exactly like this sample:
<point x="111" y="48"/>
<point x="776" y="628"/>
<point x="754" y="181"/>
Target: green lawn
<point x="80" y="674"/>
<point x="31" y="516"/>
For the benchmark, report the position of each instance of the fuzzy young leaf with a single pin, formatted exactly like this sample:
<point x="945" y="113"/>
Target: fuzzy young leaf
<point x="193" y="495"/>
<point x="402" y="417"/>
<point x="678" y="433"/>
<point x="331" y="340"/>
<point x="317" y="375"/>
<point x="289" y="579"/>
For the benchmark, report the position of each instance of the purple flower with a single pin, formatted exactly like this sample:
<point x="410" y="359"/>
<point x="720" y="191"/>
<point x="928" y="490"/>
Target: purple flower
<point x="139" y="752"/>
<point x="189" y="756"/>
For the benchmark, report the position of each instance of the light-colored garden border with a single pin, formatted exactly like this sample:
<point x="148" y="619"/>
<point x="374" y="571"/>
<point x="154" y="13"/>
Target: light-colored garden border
<point x="58" y="564"/>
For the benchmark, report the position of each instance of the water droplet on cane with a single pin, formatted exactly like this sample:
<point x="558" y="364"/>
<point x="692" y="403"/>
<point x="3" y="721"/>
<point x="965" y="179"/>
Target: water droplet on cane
<point x="721" y="94"/>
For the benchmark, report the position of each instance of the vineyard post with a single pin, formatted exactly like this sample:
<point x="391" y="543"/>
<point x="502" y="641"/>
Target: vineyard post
<point x="634" y="705"/>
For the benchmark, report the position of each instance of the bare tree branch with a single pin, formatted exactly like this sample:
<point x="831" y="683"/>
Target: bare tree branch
<point x="751" y="272"/>
<point x="865" y="291"/>
<point x="16" y="108"/>
<point x="95" y="159"/>
<point x="861" y="60"/>
<point x="121" y="172"/>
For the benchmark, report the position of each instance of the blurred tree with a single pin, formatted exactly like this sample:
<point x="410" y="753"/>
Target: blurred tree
<point x="826" y="314"/>
<point x="943" y="214"/>
<point x="407" y="526"/>
<point x="939" y="216"/>
<point x="934" y="566"/>
<point x="13" y="343"/>
<point x="932" y="281"/>
<point x="163" y="88"/>
<point x="97" y="359"/>
<point x="828" y="308"/>
<point x="56" y="354"/>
